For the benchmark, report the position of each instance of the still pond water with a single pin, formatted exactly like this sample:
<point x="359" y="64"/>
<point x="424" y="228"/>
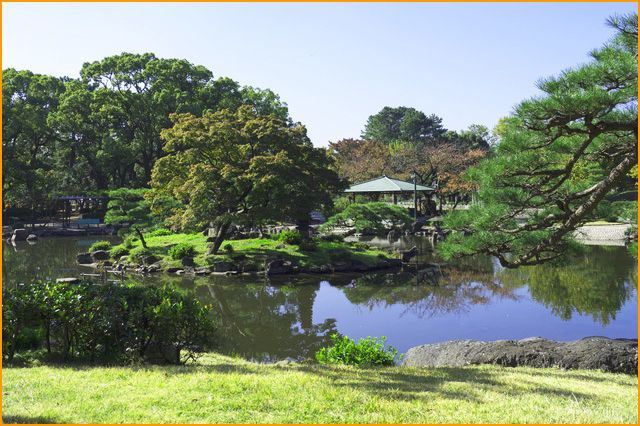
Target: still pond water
<point x="594" y="293"/>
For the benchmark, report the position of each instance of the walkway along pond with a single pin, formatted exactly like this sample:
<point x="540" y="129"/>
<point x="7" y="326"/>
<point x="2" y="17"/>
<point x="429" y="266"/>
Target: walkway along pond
<point x="593" y="294"/>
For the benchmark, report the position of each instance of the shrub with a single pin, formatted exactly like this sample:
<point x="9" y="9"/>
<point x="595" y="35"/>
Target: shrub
<point x="129" y="241"/>
<point x="308" y="245"/>
<point x="370" y="218"/>
<point x="100" y="245"/>
<point x="182" y="250"/>
<point x="228" y="248"/>
<point x="138" y="253"/>
<point x="118" y="251"/>
<point x="160" y="232"/>
<point x="368" y="351"/>
<point x="111" y="322"/>
<point x="290" y="237"/>
<point x="332" y="238"/>
<point x="360" y="246"/>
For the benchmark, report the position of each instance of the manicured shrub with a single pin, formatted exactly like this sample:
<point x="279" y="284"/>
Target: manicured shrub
<point x="360" y="246"/>
<point x="182" y="250"/>
<point x="290" y="237"/>
<point x="129" y="242"/>
<point x="118" y="251"/>
<point x="113" y="323"/>
<point x="333" y="238"/>
<point x="138" y="254"/>
<point x="100" y="245"/>
<point x="370" y="218"/>
<point x="366" y="352"/>
<point x="160" y="232"/>
<point x="228" y="248"/>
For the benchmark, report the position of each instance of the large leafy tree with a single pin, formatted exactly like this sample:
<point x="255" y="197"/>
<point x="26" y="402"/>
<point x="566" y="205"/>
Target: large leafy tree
<point x="27" y="141"/>
<point x="403" y="124"/>
<point x="559" y="155"/>
<point x="239" y="167"/>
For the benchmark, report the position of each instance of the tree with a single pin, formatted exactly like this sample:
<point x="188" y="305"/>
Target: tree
<point x="27" y="140"/>
<point x="370" y="218"/>
<point x="403" y="124"/>
<point x="240" y="167"/>
<point x="358" y="160"/>
<point x="559" y="156"/>
<point x="129" y="206"/>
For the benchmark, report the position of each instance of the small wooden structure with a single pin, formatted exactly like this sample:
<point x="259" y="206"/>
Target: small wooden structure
<point x="384" y="185"/>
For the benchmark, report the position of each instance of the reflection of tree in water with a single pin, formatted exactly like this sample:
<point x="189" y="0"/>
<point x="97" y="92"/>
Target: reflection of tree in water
<point x="596" y="281"/>
<point x="267" y="321"/>
<point x="447" y="290"/>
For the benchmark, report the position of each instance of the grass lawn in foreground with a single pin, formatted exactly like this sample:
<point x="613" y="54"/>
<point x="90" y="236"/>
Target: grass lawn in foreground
<point x="221" y="389"/>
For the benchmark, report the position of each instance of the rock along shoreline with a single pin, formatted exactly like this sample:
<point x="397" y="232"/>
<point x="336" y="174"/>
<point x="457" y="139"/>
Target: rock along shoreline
<point x="589" y="353"/>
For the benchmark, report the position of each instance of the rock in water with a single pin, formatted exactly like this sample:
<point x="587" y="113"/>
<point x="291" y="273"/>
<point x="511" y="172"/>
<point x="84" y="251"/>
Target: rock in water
<point x="84" y="259"/>
<point x="407" y="255"/>
<point x="19" y="234"/>
<point x="591" y="353"/>
<point x="100" y="255"/>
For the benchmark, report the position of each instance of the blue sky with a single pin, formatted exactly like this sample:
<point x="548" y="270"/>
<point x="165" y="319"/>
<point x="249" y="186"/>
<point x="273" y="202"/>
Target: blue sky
<point x="334" y="64"/>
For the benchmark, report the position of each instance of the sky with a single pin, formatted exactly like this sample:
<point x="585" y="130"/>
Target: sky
<point x="333" y="64"/>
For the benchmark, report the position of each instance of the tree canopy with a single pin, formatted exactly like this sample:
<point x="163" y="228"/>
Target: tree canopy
<point x="241" y="167"/>
<point x="560" y="154"/>
<point x="102" y="130"/>
<point x="403" y="124"/>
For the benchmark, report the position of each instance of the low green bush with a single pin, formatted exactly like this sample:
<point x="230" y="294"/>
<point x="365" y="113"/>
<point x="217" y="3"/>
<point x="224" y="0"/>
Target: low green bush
<point x="332" y="238"/>
<point x="129" y="242"/>
<point x="360" y="246"/>
<point x="228" y="248"/>
<point x="100" y="245"/>
<point x="182" y="250"/>
<point x="290" y="237"/>
<point x="366" y="352"/>
<point x="118" y="251"/>
<point x="308" y="245"/>
<point x="138" y="253"/>
<point x="113" y="322"/>
<point x="160" y="232"/>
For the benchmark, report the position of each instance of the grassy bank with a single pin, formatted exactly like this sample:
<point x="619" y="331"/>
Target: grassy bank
<point x="228" y="390"/>
<point x="251" y="254"/>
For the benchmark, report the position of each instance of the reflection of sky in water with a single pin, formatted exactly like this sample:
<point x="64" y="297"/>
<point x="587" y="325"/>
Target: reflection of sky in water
<point x="500" y="319"/>
<point x="477" y="299"/>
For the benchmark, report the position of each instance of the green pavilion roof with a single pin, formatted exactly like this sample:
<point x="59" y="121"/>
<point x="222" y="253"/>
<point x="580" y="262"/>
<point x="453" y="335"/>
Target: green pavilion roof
<point x="386" y="184"/>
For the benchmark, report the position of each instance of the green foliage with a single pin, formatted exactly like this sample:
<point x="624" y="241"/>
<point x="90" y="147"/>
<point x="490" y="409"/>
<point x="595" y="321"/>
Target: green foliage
<point x="559" y="156"/>
<point x="159" y="232"/>
<point x="240" y="167"/>
<point x="308" y="245"/>
<point x="109" y="322"/>
<point x="334" y="238"/>
<point x="100" y="245"/>
<point x="118" y="251"/>
<point x="138" y="254"/>
<point x="182" y="250"/>
<point x="370" y="218"/>
<point x="128" y="206"/>
<point x="403" y="124"/>
<point x="292" y="237"/>
<point x="366" y="352"/>
<point x="228" y="248"/>
<point x="129" y="242"/>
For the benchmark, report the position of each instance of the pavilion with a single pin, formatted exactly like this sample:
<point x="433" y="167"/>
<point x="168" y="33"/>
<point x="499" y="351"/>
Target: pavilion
<point x="389" y="186"/>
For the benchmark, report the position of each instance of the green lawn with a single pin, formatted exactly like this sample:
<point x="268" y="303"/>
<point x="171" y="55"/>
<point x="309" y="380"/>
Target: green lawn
<point x="256" y="250"/>
<point x="229" y="390"/>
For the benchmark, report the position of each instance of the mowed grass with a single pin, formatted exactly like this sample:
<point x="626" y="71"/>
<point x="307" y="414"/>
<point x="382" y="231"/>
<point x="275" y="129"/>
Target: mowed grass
<point x="260" y="249"/>
<point x="221" y="389"/>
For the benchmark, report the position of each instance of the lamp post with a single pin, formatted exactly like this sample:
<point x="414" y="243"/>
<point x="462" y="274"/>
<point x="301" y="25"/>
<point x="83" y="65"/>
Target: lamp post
<point x="415" y="196"/>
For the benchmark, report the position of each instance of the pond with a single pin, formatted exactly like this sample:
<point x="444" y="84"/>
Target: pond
<point x="594" y="292"/>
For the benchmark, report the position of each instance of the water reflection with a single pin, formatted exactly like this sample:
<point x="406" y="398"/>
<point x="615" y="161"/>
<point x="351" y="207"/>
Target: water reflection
<point x="592" y="293"/>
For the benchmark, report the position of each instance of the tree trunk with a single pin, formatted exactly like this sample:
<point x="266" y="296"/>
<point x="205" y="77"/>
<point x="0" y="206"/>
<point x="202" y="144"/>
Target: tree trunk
<point x="221" y="234"/>
<point x="142" y="240"/>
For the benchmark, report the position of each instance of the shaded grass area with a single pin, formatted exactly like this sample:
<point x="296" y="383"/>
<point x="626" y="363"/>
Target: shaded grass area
<point x="221" y="389"/>
<point x="258" y="250"/>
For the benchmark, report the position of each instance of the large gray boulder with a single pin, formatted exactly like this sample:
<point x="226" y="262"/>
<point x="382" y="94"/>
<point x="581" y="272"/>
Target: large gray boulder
<point x="279" y="267"/>
<point x="591" y="353"/>
<point x="100" y="255"/>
